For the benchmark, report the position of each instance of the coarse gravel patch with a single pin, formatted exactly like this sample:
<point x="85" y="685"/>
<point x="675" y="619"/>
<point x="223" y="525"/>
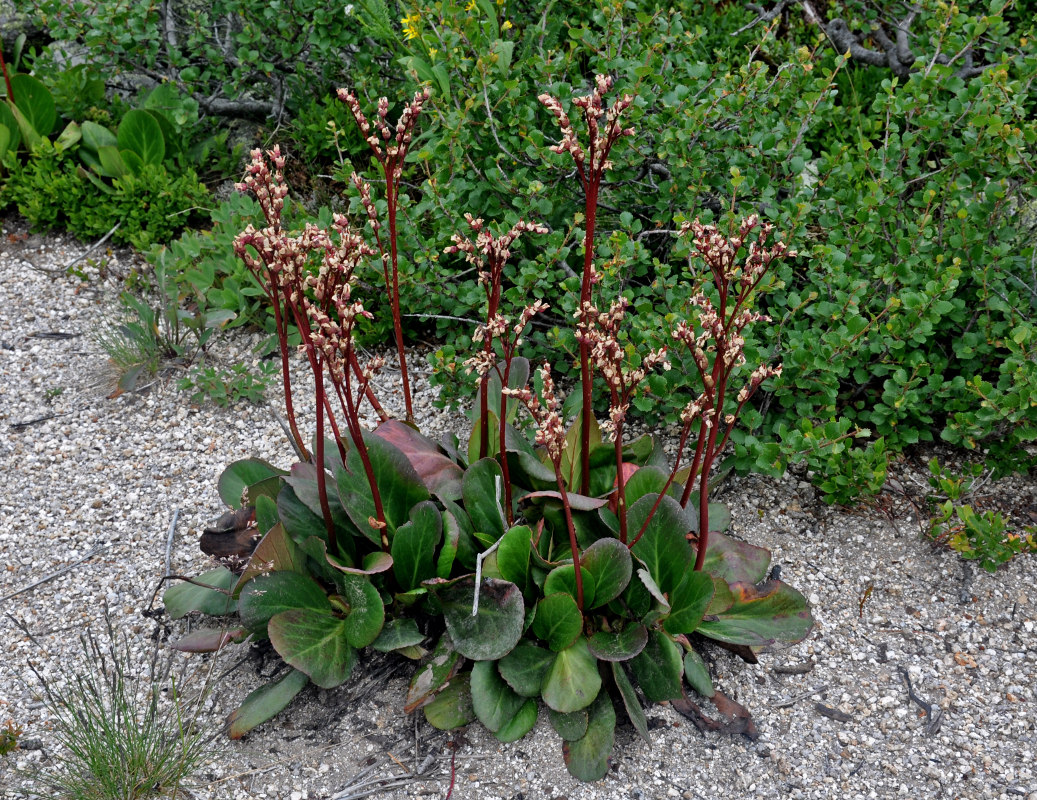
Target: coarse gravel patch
<point x="94" y="482"/>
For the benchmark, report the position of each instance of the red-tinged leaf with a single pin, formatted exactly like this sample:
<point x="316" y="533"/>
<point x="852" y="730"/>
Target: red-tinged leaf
<point x="761" y="615"/>
<point x="438" y="472"/>
<point x="434" y="675"/>
<point x="207" y="641"/>
<point x="266" y="702"/>
<point x="735" y="561"/>
<point x="577" y="502"/>
<point x="373" y="564"/>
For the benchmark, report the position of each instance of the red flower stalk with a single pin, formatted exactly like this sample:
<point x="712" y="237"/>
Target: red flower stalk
<point x="551" y="434"/>
<point x="489" y="255"/>
<point x="600" y="332"/>
<point x="591" y="164"/>
<point x="390" y="146"/>
<point x="321" y="306"/>
<point x="717" y="349"/>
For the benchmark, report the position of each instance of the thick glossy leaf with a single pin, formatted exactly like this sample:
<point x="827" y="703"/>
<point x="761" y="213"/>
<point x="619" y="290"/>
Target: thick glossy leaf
<point x="183" y="598"/>
<point x="513" y="554"/>
<point x="266" y="702"/>
<point x="482" y="488"/>
<point x="5" y="140"/>
<point x="572" y="467"/>
<point x="398" y="484"/>
<point x="313" y="642"/>
<point x="433" y="675"/>
<point x="96" y="136"/>
<point x="112" y="163"/>
<point x="635" y="713"/>
<point x="697" y="674"/>
<point x="572" y="681"/>
<point x="647" y="480"/>
<point x="517" y="378"/>
<point x="620" y="646"/>
<point x="271" y="594"/>
<point x="269" y="488"/>
<point x="587" y="759"/>
<point x="303" y="480"/>
<point x="452" y="707"/>
<point x="664" y="547"/>
<point x="207" y="640"/>
<point x="761" y="615"/>
<point x="475" y="438"/>
<point x="609" y="563"/>
<point x="563" y="579"/>
<point x="240" y="475"/>
<point x="414" y="546"/>
<point x="659" y="668"/>
<point x="495" y="629"/>
<point x="723" y="597"/>
<point x="524" y="668"/>
<point x="571" y="726"/>
<point x="276" y="552"/>
<point x="373" y="564"/>
<point x="455" y="540"/>
<point x="366" y="612"/>
<point x="495" y="702"/>
<point x="439" y="473"/>
<point x="299" y="521"/>
<point x="577" y="502"/>
<point x="528" y="470"/>
<point x="141" y="135"/>
<point x="558" y="621"/>
<point x="688" y="603"/>
<point x="398" y="633"/>
<point x="735" y="561"/>
<point x="520" y="724"/>
<point x="35" y="102"/>
<point x="266" y="513"/>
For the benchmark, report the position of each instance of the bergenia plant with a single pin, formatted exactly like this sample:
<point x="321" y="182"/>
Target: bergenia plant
<point x="558" y="571"/>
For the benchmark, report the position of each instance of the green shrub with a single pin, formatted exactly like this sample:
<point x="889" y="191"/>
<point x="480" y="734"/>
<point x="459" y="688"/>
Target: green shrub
<point x="153" y="205"/>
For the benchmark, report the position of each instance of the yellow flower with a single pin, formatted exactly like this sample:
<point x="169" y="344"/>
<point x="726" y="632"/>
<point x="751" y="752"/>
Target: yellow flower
<point x="432" y="53"/>
<point x="471" y="6"/>
<point x="507" y="26"/>
<point x="410" y="26"/>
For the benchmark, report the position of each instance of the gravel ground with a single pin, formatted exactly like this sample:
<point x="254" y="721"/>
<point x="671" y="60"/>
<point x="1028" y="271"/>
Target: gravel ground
<point x="91" y="486"/>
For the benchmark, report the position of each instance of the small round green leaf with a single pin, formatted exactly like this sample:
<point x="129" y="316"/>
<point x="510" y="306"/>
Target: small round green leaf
<point x="524" y="668"/>
<point x="688" y="603"/>
<point x="571" y="726"/>
<point x="619" y="646"/>
<point x="240" y="475"/>
<point x="452" y="706"/>
<point x="520" y="724"/>
<point x="558" y="621"/>
<point x="572" y="681"/>
<point x="314" y="642"/>
<point x="658" y="668"/>
<point x="495" y="703"/>
<point x="366" y="611"/>
<point x="495" y="629"/>
<point x="563" y="579"/>
<point x="267" y="595"/>
<point x="609" y="563"/>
